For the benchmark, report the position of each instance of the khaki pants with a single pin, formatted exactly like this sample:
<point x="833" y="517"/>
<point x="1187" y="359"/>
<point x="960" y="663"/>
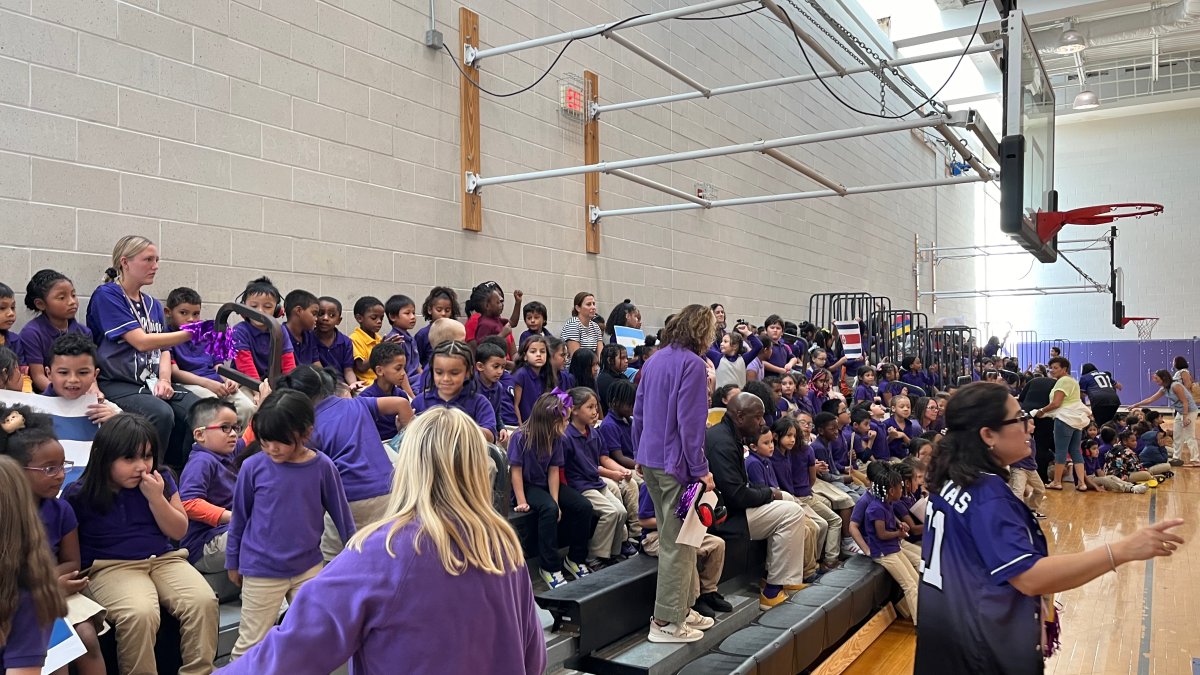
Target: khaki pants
<point x="610" y="531"/>
<point x="912" y="553"/>
<point x="1112" y="483"/>
<point x="1150" y="472"/>
<point x="813" y="539"/>
<point x="212" y="561"/>
<point x="710" y="561"/>
<point x="133" y="590"/>
<point x="1027" y="485"/>
<point x="781" y="523"/>
<point x="831" y="525"/>
<point x="364" y="511"/>
<point x="262" y="598"/>
<point x="905" y="575"/>
<point x="838" y="498"/>
<point x="627" y="492"/>
<point x="1185" y="437"/>
<point x="673" y="597"/>
<point x="241" y="399"/>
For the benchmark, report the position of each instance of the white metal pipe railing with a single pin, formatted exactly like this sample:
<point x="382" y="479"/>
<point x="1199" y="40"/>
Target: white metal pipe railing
<point x="659" y="63"/>
<point x="801" y="167"/>
<point x="804" y="37"/>
<point x="655" y="185"/>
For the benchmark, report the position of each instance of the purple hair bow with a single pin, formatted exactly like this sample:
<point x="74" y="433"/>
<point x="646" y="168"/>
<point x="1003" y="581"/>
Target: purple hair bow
<point x="564" y="398"/>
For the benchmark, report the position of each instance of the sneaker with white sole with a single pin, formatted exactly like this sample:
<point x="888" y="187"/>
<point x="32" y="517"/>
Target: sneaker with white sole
<point x="673" y="632"/>
<point x="698" y="621"/>
<point x="849" y="546"/>
<point x="577" y="570"/>
<point x="1140" y="489"/>
<point x="553" y="579"/>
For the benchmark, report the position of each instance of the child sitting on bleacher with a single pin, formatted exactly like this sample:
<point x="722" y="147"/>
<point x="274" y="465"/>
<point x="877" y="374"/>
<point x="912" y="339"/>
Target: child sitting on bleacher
<point x="128" y="514"/>
<point x="910" y="545"/>
<point x="11" y="377"/>
<point x="195" y="368"/>
<point x="865" y="389"/>
<point x="820" y="385"/>
<point x="533" y="376"/>
<point x="388" y="361"/>
<point x="884" y="533"/>
<point x="450" y="382"/>
<point x="710" y="560"/>
<point x="252" y="340"/>
<point x="284" y="491"/>
<point x="368" y="312"/>
<point x="34" y="446"/>
<point x="334" y="348"/>
<point x="441" y="303"/>
<point x="616" y="431"/>
<point x="900" y="428"/>
<point x="301" y="309"/>
<point x="401" y="312"/>
<point x="495" y="383"/>
<point x="558" y="363"/>
<point x="582" y="450"/>
<point x="729" y="360"/>
<point x="791" y="445"/>
<point x="8" y="338"/>
<point x="51" y="296"/>
<point x="207" y="482"/>
<point x="535" y="457"/>
<point x="72" y="374"/>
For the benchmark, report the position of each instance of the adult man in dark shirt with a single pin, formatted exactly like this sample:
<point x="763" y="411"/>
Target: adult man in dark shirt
<point x="761" y="512"/>
<point x="1034" y="396"/>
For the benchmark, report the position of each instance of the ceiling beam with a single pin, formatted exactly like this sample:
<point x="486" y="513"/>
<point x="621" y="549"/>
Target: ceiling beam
<point x="910" y="29"/>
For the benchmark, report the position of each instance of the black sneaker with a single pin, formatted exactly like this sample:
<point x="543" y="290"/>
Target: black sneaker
<point x="716" y="601"/>
<point x="703" y="609"/>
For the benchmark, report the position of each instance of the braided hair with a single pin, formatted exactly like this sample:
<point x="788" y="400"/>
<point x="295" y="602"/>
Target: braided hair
<point x="883" y="477"/>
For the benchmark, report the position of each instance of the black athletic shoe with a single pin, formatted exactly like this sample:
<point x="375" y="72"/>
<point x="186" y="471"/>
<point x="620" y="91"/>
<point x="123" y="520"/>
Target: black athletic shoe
<point x="703" y="609"/>
<point x="716" y="601"/>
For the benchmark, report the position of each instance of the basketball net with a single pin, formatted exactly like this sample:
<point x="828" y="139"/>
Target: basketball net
<point x="1145" y="327"/>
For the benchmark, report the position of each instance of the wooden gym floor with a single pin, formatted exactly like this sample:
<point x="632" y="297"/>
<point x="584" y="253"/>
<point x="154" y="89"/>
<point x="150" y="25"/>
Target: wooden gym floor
<point x="1143" y="620"/>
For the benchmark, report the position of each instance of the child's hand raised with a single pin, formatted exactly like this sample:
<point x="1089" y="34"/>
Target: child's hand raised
<point x="152" y="485"/>
<point x="517" y="296"/>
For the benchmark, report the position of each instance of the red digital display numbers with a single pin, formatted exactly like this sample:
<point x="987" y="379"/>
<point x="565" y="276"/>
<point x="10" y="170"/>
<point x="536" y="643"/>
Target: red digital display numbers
<point x="573" y="99"/>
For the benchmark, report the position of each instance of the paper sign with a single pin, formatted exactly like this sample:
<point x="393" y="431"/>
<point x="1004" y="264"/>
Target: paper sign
<point x="629" y="338"/>
<point x="71" y="424"/>
<point x="65" y="647"/>
<point x="851" y="339"/>
<point x="693" y="531"/>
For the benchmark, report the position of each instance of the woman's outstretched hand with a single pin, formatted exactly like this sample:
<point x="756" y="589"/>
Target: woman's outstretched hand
<point x="1149" y="542"/>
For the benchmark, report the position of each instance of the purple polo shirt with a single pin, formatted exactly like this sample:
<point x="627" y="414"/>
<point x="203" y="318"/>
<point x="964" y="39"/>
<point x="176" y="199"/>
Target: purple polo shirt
<point x="12" y="340"/>
<point x="192" y="358"/>
<point x="385" y="424"/>
<point x="781" y="464"/>
<point x="468" y="401"/>
<point x="59" y="519"/>
<point x="393" y="607"/>
<point x="345" y="431"/>
<point x="304" y="350"/>
<point x="566" y="381"/>
<point x="339" y="355"/>
<point x="780" y="355"/>
<point x="279" y="514"/>
<point x="893" y="387"/>
<point x="802" y="460"/>
<point x="878" y="510"/>
<point x="543" y="333"/>
<point x="25" y="645"/>
<point x="828" y="452"/>
<point x="582" y="454"/>
<point x="669" y="414"/>
<point x="110" y="315"/>
<point x="424" y="349"/>
<point x="616" y="433"/>
<point x="500" y="395"/>
<point x="859" y="512"/>
<point x="127" y="531"/>
<point x="531" y="386"/>
<point x="645" y="506"/>
<point x="898" y="448"/>
<point x="535" y="469"/>
<point x="815" y="400"/>
<point x="210" y="476"/>
<point x="761" y="471"/>
<point x="864" y="392"/>
<point x="39" y="335"/>
<point x="247" y="337"/>
<point x="412" y="356"/>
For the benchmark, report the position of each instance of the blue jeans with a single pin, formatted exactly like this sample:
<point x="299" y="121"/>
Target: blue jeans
<point x="1066" y="442"/>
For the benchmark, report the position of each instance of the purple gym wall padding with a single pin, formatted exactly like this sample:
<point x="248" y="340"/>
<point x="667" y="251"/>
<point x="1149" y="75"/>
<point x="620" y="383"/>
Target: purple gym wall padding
<point x="1130" y="361"/>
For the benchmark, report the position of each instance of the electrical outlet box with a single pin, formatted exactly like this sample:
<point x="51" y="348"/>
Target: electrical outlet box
<point x="433" y="39"/>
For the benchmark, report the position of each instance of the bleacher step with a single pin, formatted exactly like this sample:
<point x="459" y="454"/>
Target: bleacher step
<point x="636" y="655"/>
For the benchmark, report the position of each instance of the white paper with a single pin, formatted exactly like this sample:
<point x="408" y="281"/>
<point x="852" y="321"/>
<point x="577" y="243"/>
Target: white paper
<point x="693" y="531"/>
<point x="65" y="647"/>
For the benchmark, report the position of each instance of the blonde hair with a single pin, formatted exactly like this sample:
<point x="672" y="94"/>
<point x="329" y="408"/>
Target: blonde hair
<point x="126" y="247"/>
<point x="25" y="562"/>
<point x="441" y="483"/>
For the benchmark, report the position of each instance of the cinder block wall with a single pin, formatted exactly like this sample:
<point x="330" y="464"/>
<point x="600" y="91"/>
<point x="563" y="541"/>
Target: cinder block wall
<point x="317" y="141"/>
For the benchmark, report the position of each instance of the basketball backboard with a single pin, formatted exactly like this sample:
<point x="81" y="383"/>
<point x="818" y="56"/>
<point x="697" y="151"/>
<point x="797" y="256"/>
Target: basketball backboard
<point x="1027" y="148"/>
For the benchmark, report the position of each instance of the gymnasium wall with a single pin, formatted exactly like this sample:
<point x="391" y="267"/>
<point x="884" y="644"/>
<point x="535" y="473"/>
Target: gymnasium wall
<point x="1149" y="157"/>
<point x="317" y="141"/>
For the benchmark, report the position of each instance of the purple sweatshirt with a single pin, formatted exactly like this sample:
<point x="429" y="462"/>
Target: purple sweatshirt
<point x="209" y="476"/>
<point x="279" y="514"/>
<point x="345" y="431"/>
<point x="388" y="613"/>
<point x="670" y="412"/>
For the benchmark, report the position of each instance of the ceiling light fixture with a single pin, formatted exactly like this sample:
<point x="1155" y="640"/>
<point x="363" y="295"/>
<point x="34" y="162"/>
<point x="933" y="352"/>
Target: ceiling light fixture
<point x="1070" y="42"/>
<point x="1086" y="100"/>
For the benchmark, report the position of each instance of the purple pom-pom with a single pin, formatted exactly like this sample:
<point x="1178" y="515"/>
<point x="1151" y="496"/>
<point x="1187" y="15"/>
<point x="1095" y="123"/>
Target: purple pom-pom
<point x="686" y="500"/>
<point x="217" y="344"/>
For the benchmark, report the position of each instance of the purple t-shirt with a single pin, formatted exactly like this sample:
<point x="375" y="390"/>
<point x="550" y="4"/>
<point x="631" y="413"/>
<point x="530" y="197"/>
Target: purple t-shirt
<point x="616" y="433"/>
<point x="760" y="471"/>
<point x="339" y="355"/>
<point x="39" y="335"/>
<point x="878" y="510"/>
<point x="412" y="356"/>
<point x="531" y="388"/>
<point x="26" y="644"/>
<point x="468" y="401"/>
<point x="13" y="341"/>
<point x="543" y="333"/>
<point x="582" y="455"/>
<point x="110" y="315"/>
<point x="385" y="424"/>
<point x="304" y="350"/>
<point x="247" y="337"/>
<point x="898" y="447"/>
<point x="59" y="519"/>
<point x="535" y="469"/>
<point x="191" y="357"/>
<point x="424" y="349"/>
<point x="127" y="531"/>
<point x="645" y="506"/>
<point x="500" y="395"/>
<point x="345" y="431"/>
<point x="279" y="514"/>
<point x="209" y="476"/>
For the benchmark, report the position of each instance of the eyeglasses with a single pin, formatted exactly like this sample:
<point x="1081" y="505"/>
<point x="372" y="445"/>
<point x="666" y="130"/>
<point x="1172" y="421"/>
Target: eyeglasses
<point x="52" y="471"/>
<point x="1022" y="416"/>
<point x="225" y="428"/>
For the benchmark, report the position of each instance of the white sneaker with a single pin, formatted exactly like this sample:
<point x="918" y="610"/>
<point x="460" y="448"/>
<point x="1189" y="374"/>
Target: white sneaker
<point x="1139" y="489"/>
<point x="850" y="547"/>
<point x="698" y="621"/>
<point x="673" y="632"/>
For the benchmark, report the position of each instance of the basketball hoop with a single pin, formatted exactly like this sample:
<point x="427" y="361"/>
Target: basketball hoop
<point x="1145" y="325"/>
<point x="1050" y="222"/>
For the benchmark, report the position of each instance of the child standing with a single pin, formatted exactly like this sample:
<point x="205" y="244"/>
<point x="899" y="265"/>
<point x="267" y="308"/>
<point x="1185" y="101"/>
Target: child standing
<point x="534" y="376"/>
<point x="389" y="363"/>
<point x="282" y="496"/>
<point x="490" y="382"/>
<point x="451" y="383"/>
<point x="441" y="303"/>
<point x="402" y="314"/>
<point x="729" y="360"/>
<point x="51" y="296"/>
<point x="195" y="368"/>
<point x="582" y="450"/>
<point x="128" y="514"/>
<point x="536" y="318"/>
<point x="535" y="457"/>
<point x="334" y="348"/>
<point x="207" y="482"/>
<point x="35" y="448"/>
<point x="252" y="340"/>
<point x="301" y="309"/>
<point x="368" y="312"/>
<point x="30" y="599"/>
<point x="487" y="300"/>
<point x="884" y="533"/>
